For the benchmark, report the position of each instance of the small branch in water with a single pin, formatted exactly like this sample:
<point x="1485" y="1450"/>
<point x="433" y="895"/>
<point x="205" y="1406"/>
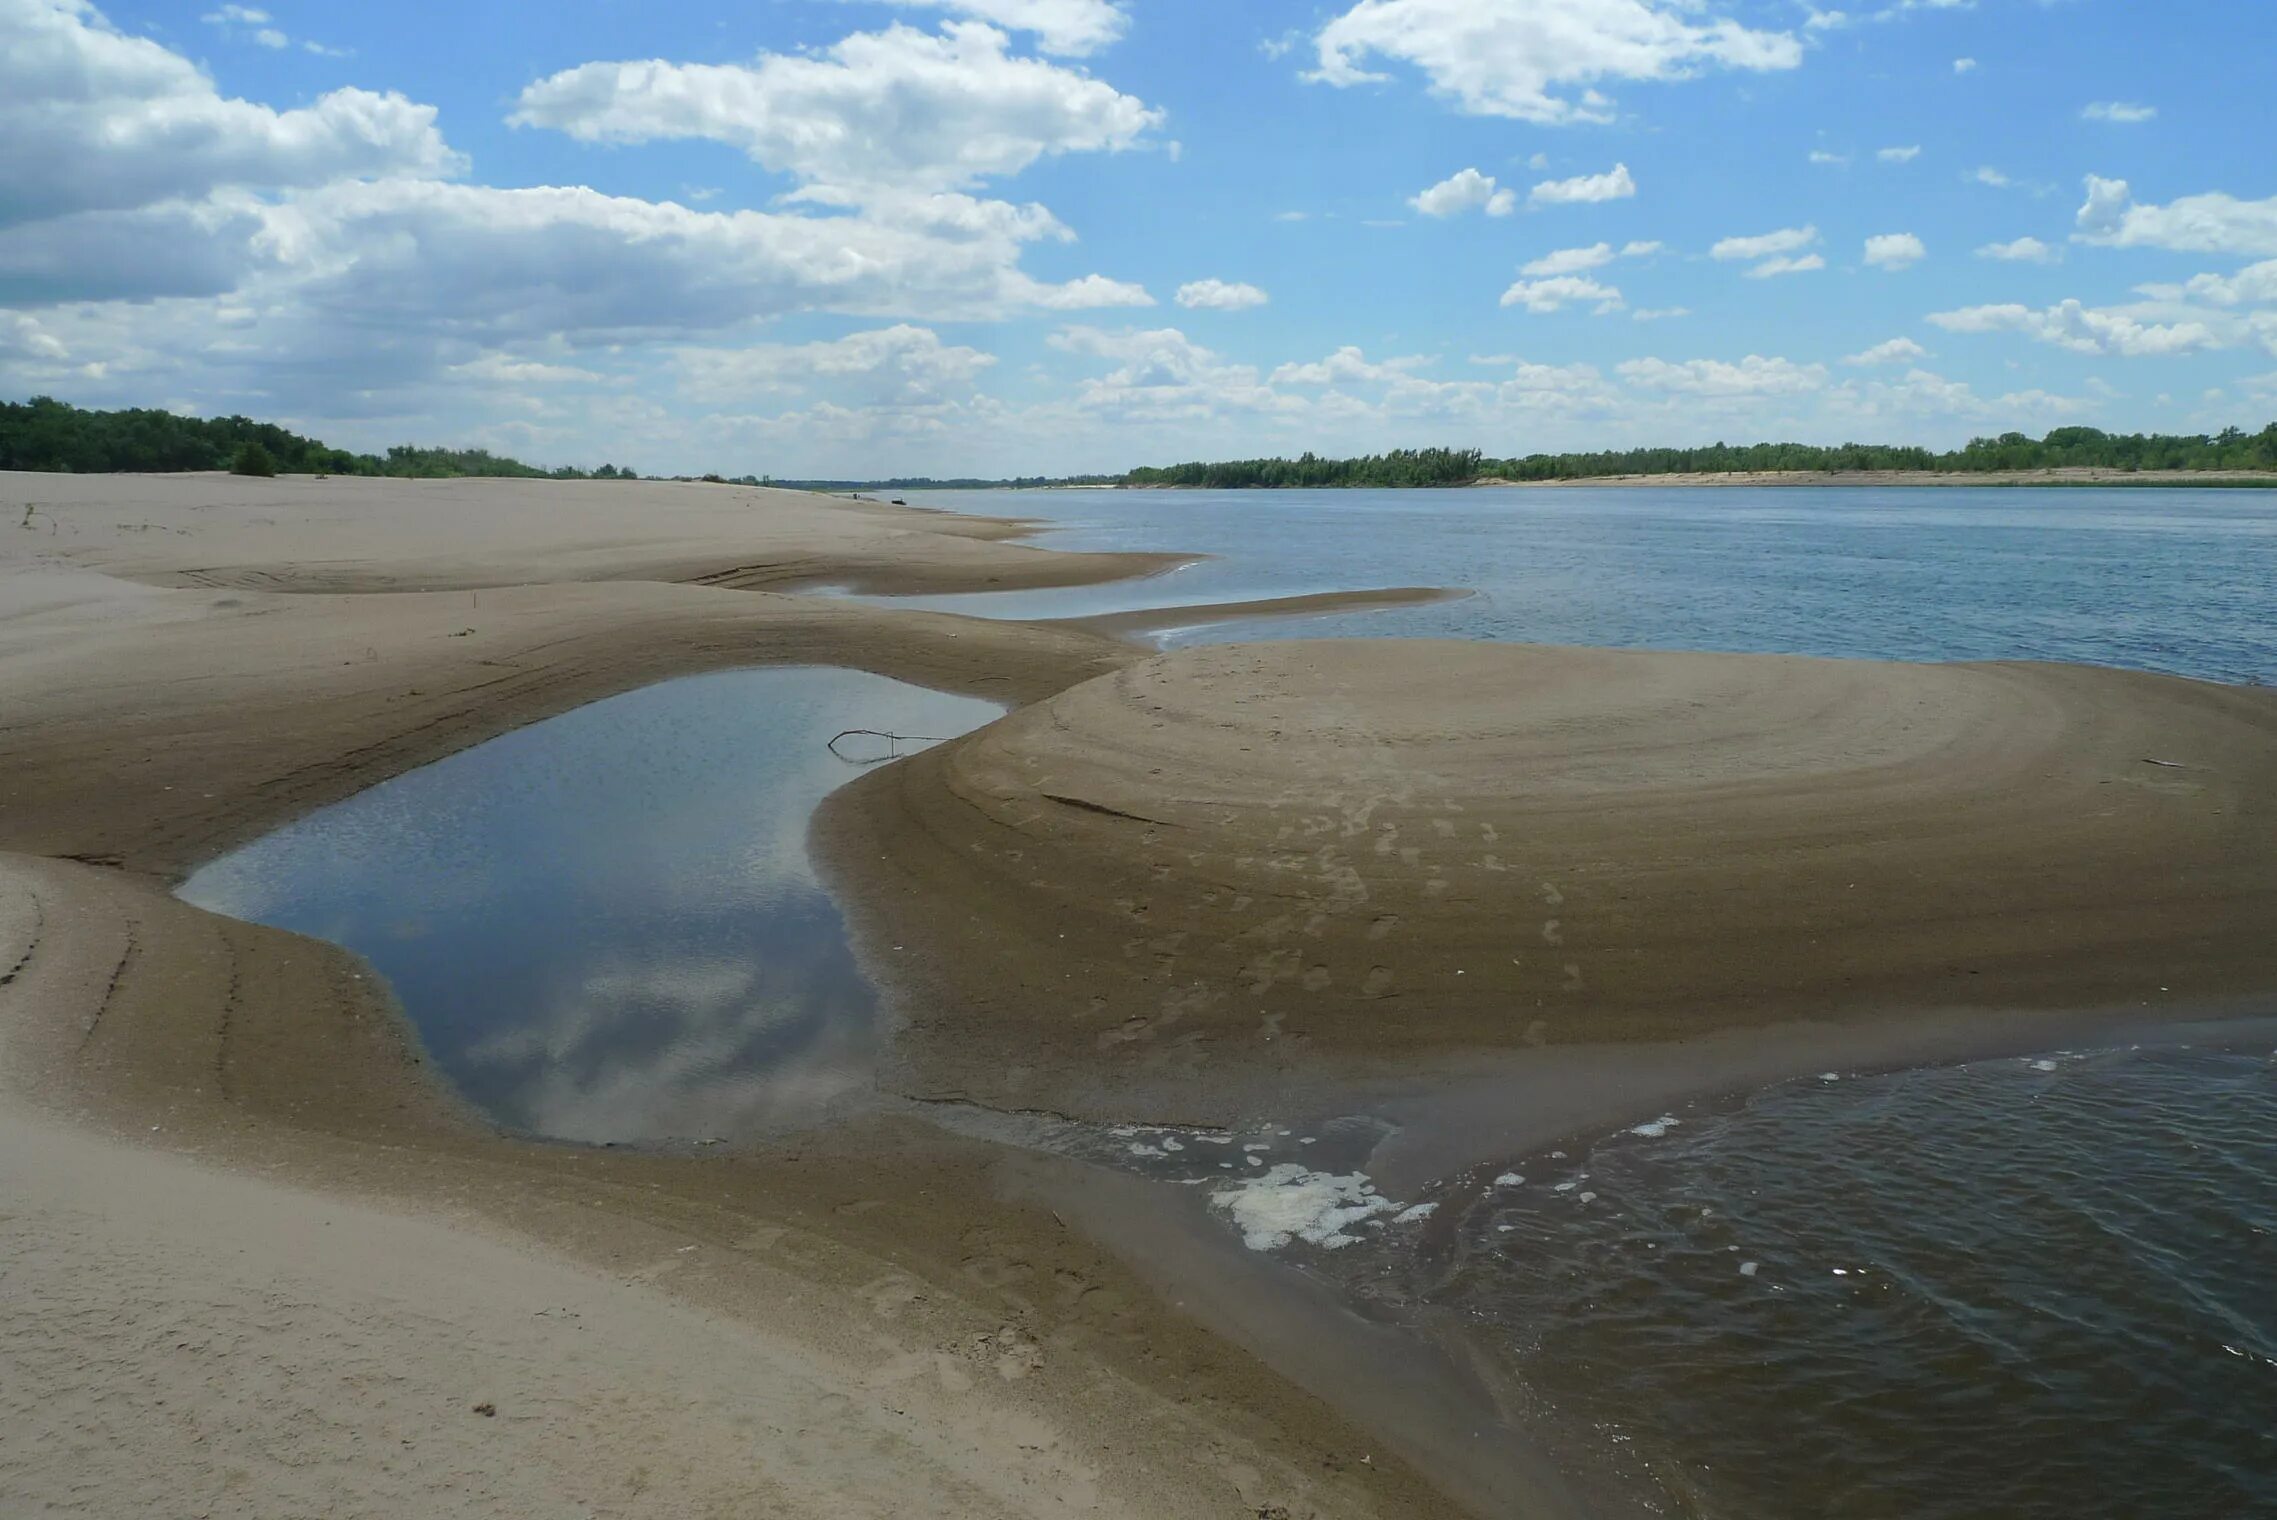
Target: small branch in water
<point x="894" y="742"/>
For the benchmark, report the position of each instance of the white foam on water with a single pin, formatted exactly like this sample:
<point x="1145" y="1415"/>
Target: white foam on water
<point x="1509" y="1179"/>
<point x="1144" y="1150"/>
<point x="1588" y="1197"/>
<point x="1566" y="1187"/>
<point x="1747" y="1269"/>
<point x="1289" y="1203"/>
<point x="2043" y="1065"/>
<point x="1421" y="1211"/>
<point x="1830" y="1076"/>
<point x="1654" y="1129"/>
<point x="1170" y="1144"/>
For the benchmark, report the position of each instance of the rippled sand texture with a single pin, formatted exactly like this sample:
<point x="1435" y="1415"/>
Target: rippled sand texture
<point x="1227" y="862"/>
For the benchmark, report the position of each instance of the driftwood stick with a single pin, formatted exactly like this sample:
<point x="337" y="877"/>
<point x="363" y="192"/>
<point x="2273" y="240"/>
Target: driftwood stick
<point x="893" y="744"/>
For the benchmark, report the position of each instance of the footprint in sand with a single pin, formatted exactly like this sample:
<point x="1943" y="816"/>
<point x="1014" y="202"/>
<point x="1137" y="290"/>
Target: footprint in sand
<point x="1378" y="982"/>
<point x="1552" y="934"/>
<point x="1383" y="926"/>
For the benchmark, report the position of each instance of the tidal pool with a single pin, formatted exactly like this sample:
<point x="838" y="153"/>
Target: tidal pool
<point x="606" y="926"/>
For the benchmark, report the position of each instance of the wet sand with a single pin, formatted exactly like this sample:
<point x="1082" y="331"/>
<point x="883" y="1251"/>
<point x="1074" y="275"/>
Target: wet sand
<point x="1234" y="843"/>
<point x="1225" y="870"/>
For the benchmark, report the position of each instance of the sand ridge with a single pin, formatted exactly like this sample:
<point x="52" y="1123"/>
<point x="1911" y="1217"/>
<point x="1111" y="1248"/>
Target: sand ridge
<point x="1233" y="864"/>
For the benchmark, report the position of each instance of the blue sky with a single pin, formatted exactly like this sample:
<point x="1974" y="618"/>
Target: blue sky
<point x="830" y="237"/>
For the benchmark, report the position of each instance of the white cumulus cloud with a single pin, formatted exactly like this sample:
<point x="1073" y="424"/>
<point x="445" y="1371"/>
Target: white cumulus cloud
<point x="1615" y="184"/>
<point x="2124" y="112"/>
<point x="1219" y="295"/>
<point x="1560" y="291"/>
<point x="1895" y="351"/>
<point x="97" y="120"/>
<point x="2023" y="250"/>
<point x="1785" y="264"/>
<point x="1348" y="365"/>
<point x="901" y="365"/>
<point x="1754" y="375"/>
<point x="2211" y="223"/>
<point x="1071" y="27"/>
<point x="1775" y="253"/>
<point x="1765" y="244"/>
<point x="1571" y="260"/>
<point x="2083" y="329"/>
<point x="1894" y="251"/>
<point x="1465" y="190"/>
<point x="2254" y="285"/>
<point x="899" y="109"/>
<point x="1541" y="60"/>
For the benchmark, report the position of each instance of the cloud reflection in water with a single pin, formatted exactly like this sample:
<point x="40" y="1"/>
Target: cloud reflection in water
<point x="606" y="925"/>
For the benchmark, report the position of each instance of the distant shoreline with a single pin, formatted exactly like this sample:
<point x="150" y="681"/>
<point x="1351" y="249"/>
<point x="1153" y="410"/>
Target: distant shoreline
<point x="2095" y="475"/>
<point x="2090" y="475"/>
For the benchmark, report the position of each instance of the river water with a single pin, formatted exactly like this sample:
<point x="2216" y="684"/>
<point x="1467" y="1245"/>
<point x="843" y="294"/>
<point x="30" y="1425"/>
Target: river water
<point x="2036" y="1289"/>
<point x="2176" y="581"/>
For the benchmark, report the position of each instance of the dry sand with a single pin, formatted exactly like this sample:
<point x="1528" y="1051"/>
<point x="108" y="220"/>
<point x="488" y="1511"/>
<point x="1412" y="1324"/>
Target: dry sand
<point x="1165" y="888"/>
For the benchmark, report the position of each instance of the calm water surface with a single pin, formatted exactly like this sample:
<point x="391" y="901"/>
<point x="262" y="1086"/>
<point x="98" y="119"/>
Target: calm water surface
<point x="605" y="926"/>
<point x="2178" y="581"/>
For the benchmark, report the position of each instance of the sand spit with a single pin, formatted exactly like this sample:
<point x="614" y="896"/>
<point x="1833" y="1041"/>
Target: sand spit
<point x="863" y="1322"/>
<point x="304" y="533"/>
<point x="1153" y="620"/>
<point x="1226" y="867"/>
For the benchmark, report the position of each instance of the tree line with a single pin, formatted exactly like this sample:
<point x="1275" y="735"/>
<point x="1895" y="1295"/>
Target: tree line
<point x="46" y="434"/>
<point x="2068" y="447"/>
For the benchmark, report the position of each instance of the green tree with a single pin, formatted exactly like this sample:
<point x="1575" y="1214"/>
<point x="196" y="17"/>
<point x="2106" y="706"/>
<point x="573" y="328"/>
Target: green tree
<point x="252" y="459"/>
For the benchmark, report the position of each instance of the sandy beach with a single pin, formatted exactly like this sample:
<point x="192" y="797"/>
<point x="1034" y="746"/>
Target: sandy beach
<point x="884" y="1324"/>
<point x="272" y="1267"/>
